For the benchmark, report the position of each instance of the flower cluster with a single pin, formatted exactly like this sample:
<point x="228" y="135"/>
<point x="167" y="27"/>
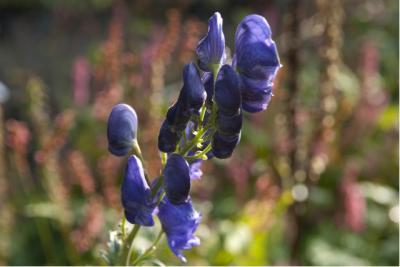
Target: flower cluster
<point x="204" y="122"/>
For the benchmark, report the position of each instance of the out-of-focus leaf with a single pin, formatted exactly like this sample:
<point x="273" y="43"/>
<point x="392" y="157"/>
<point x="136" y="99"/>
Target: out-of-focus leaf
<point x="320" y="252"/>
<point x="389" y="118"/>
<point x="347" y="82"/>
<point x="238" y="239"/>
<point x="381" y="194"/>
<point x="43" y="209"/>
<point x="321" y="196"/>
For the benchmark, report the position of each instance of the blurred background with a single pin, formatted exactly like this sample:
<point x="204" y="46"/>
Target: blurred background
<point x="314" y="180"/>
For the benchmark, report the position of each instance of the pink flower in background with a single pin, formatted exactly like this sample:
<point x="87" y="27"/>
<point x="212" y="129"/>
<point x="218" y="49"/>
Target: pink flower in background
<point x="18" y="136"/>
<point x="353" y="199"/>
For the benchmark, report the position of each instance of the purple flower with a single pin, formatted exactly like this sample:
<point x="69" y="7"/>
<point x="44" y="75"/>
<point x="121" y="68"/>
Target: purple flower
<point x="176" y="179"/>
<point x="136" y="194"/>
<point x="256" y="60"/>
<point x="211" y="49"/>
<point x="195" y="171"/>
<point x="227" y="91"/>
<point x="121" y="129"/>
<point x="179" y="223"/>
<point x="168" y="138"/>
<point x="223" y="145"/>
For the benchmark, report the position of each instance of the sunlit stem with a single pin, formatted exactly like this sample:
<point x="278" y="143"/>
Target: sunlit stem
<point x="202" y="115"/>
<point x="164" y="158"/>
<point x="127" y="248"/>
<point x="138" y="152"/>
<point x="150" y="249"/>
<point x="123" y="228"/>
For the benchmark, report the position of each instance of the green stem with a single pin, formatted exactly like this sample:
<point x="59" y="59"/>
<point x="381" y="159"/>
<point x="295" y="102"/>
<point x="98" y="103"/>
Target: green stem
<point x="202" y="115"/>
<point x="150" y="249"/>
<point x="194" y="141"/>
<point x="138" y="152"/>
<point x="128" y="243"/>
<point x="128" y="248"/>
<point x="123" y="228"/>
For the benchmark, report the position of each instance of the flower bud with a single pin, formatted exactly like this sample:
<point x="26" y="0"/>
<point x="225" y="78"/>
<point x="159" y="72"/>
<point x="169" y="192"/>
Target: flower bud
<point x="121" y="129"/>
<point x="193" y="91"/>
<point x="176" y="179"/>
<point x="211" y="49"/>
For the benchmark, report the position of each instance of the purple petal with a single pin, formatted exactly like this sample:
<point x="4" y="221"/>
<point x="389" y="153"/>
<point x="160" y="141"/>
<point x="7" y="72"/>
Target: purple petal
<point x="257" y="61"/>
<point x="211" y="49"/>
<point x="195" y="169"/>
<point x="229" y="125"/>
<point x="256" y="102"/>
<point x="121" y="129"/>
<point x="179" y="223"/>
<point x="136" y="194"/>
<point x="227" y="91"/>
<point x="168" y="138"/>
<point x="193" y="92"/>
<point x="176" y="179"/>
<point x="223" y="145"/>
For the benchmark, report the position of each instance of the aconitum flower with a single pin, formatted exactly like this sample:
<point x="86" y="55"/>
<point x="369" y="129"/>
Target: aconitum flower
<point x="211" y="49"/>
<point x="121" y="129"/>
<point x="256" y="60"/>
<point x="179" y="222"/>
<point x="227" y="91"/>
<point x="176" y="179"/>
<point x="136" y="194"/>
